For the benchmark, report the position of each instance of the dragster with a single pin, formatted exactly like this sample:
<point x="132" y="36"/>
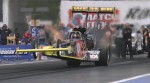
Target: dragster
<point x="78" y="47"/>
<point x="73" y="50"/>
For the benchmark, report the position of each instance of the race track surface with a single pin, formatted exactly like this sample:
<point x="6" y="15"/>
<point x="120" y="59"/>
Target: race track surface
<point x="119" y="71"/>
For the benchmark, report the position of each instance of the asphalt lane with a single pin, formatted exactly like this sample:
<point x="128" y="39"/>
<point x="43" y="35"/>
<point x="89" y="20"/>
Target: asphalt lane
<point x="58" y="72"/>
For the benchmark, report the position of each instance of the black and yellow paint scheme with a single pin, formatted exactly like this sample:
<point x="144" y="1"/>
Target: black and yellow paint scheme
<point x="51" y="51"/>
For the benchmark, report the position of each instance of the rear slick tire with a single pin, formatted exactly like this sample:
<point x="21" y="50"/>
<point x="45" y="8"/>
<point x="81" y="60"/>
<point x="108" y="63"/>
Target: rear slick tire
<point x="104" y="58"/>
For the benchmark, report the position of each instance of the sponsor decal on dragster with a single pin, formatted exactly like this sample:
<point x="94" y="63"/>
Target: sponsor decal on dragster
<point x="91" y="55"/>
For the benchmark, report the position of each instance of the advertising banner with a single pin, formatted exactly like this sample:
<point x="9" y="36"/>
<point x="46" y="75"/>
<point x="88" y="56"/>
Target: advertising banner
<point x="134" y="12"/>
<point x="9" y="52"/>
<point x="80" y="19"/>
<point x="34" y="32"/>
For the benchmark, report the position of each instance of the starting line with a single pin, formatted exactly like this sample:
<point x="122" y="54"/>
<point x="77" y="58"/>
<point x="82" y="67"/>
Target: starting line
<point x="137" y="79"/>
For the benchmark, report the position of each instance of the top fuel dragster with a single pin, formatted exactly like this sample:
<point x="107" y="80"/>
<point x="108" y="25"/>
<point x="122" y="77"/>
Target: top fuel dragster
<point x="78" y="47"/>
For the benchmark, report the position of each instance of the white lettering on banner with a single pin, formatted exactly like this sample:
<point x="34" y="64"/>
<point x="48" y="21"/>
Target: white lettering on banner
<point x="7" y="51"/>
<point x="11" y="52"/>
<point x="95" y="17"/>
<point x="90" y="17"/>
<point x="103" y="19"/>
<point x="21" y="53"/>
<point x="100" y="24"/>
<point x="108" y="17"/>
<point x="101" y="16"/>
<point x="138" y="13"/>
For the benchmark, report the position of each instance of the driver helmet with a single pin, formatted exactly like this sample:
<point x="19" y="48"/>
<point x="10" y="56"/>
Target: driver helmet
<point x="74" y="35"/>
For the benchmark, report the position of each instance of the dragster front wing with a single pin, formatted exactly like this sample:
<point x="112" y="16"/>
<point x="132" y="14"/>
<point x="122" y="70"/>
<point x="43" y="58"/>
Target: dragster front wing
<point x="51" y="52"/>
<point x="60" y="53"/>
<point x="42" y="50"/>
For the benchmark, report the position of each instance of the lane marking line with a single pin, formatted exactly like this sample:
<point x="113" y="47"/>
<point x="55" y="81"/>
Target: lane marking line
<point x="126" y="62"/>
<point x="20" y="63"/>
<point x="132" y="78"/>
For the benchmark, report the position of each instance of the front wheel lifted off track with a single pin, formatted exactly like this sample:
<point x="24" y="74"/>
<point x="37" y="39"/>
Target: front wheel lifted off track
<point x="73" y="63"/>
<point x="104" y="58"/>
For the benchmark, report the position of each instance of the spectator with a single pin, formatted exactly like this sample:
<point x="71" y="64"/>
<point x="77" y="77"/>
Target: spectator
<point x="26" y="37"/>
<point x="127" y="40"/>
<point x="148" y="42"/>
<point x="119" y="41"/>
<point x="103" y="35"/>
<point x="4" y="33"/>
<point x="17" y="34"/>
<point x="145" y="35"/>
<point x="139" y="40"/>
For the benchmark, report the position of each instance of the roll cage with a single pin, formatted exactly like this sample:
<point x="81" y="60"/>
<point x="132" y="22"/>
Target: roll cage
<point x="75" y="35"/>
